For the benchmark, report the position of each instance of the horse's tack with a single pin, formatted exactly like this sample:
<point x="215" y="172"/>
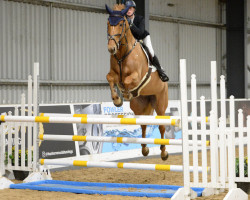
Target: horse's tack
<point x="135" y="92"/>
<point x="119" y="61"/>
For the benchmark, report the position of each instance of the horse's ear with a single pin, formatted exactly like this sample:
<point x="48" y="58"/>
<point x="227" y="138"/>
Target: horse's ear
<point x="124" y="11"/>
<point x="109" y="10"/>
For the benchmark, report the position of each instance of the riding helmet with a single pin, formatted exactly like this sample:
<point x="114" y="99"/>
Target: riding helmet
<point x="130" y="3"/>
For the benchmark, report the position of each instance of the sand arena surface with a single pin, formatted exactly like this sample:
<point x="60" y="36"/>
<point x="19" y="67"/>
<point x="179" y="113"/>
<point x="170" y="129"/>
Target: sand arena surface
<point x="109" y="176"/>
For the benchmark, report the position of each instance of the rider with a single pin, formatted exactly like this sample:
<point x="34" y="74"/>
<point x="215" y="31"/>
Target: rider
<point x="137" y="26"/>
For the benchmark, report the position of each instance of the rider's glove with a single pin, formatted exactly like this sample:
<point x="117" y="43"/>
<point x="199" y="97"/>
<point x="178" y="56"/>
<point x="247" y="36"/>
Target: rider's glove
<point x="129" y="21"/>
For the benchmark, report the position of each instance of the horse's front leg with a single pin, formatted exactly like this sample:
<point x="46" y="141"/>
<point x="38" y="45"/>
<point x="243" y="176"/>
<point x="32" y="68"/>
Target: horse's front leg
<point x="145" y="149"/>
<point x="112" y="78"/>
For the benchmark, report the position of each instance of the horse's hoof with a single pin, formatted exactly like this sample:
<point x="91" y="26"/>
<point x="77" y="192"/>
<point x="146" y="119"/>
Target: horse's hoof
<point x="118" y="102"/>
<point x="164" y="155"/>
<point x="145" y="151"/>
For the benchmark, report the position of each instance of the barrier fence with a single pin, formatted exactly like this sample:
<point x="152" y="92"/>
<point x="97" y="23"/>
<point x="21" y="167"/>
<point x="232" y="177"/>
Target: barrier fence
<point x="220" y="132"/>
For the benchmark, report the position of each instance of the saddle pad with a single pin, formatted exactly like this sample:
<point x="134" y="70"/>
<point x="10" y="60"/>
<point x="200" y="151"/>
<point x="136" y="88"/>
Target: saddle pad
<point x="150" y="66"/>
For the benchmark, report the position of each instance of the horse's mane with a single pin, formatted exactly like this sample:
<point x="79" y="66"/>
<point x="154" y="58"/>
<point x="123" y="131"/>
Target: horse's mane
<point x="119" y="7"/>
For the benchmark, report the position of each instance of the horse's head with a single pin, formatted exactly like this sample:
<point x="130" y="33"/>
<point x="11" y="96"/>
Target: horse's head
<point x="116" y="26"/>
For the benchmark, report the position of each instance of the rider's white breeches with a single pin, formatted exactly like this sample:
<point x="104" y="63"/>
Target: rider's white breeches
<point x="147" y="42"/>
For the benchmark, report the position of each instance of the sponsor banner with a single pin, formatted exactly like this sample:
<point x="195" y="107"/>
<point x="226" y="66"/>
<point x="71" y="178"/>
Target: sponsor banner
<point x="54" y="149"/>
<point x="117" y="130"/>
<point x="134" y="131"/>
<point x="86" y="148"/>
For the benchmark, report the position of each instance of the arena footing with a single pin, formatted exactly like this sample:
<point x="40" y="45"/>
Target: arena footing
<point x="139" y="190"/>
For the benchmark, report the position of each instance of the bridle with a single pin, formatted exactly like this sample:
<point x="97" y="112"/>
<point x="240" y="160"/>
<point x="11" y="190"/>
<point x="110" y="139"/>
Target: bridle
<point x="118" y="44"/>
<point x="111" y="37"/>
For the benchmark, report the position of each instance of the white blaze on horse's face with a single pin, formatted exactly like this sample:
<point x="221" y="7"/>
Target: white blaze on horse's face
<point x="117" y="33"/>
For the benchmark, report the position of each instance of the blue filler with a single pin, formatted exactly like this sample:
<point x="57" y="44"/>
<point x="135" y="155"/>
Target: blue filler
<point x="139" y="190"/>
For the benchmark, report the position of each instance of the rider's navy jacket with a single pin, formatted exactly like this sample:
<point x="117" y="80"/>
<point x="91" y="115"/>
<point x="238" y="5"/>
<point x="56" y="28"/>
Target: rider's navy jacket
<point x="138" y="28"/>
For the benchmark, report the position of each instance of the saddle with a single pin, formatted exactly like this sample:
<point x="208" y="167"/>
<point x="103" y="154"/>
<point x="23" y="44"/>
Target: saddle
<point x="147" y="52"/>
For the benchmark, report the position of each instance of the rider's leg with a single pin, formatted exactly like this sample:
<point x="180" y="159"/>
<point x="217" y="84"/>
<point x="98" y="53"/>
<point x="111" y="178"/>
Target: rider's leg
<point x="162" y="74"/>
<point x="147" y="42"/>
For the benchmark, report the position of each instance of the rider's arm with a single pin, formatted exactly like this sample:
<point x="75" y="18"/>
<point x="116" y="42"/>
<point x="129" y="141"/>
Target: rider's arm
<point x="139" y="30"/>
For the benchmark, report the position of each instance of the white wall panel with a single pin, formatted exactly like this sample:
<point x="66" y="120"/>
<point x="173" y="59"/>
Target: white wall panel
<point x="165" y="43"/>
<point x="79" y="45"/>
<point x="95" y="3"/>
<point x="198" y="46"/>
<point x="24" y="39"/>
<point x="202" y="10"/>
<point x="11" y="94"/>
<point x="80" y="94"/>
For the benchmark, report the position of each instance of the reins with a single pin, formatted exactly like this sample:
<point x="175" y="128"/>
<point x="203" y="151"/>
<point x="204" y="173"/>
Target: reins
<point x="111" y="37"/>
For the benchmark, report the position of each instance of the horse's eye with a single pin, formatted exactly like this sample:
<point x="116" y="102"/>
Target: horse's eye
<point x="120" y="24"/>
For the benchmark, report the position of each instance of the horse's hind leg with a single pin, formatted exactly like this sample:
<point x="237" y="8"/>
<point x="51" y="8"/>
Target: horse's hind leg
<point x="141" y="106"/>
<point x="161" y="106"/>
<point x="164" y="153"/>
<point x="145" y="149"/>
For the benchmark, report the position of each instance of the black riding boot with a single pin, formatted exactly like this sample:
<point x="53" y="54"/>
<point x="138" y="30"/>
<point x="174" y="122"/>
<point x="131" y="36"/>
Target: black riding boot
<point x="161" y="72"/>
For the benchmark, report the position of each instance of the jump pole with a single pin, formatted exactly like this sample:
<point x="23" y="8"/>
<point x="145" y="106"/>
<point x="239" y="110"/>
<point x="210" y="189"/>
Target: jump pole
<point x="86" y="120"/>
<point x="115" y="139"/>
<point x="121" y="165"/>
<point x="119" y="116"/>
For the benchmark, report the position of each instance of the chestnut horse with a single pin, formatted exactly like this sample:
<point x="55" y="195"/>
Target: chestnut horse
<point x="130" y="72"/>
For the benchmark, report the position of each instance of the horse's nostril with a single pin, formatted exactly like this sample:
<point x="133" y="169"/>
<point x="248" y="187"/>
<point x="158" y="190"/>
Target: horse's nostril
<point x="112" y="50"/>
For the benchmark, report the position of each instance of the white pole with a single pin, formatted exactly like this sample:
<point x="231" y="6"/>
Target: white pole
<point x="213" y="137"/>
<point x="35" y="113"/>
<point x="203" y="139"/>
<point x="223" y="149"/>
<point x="29" y="135"/>
<point x="83" y="163"/>
<point x="248" y="146"/>
<point x="118" y="116"/>
<point x="222" y="146"/>
<point x="16" y="140"/>
<point x="83" y="120"/>
<point x="116" y="139"/>
<point x="23" y="133"/>
<point x="194" y="129"/>
<point x="2" y="150"/>
<point x="184" y="123"/>
<point x="9" y="133"/>
<point x="231" y="146"/>
<point x="215" y="115"/>
<point x="241" y="145"/>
